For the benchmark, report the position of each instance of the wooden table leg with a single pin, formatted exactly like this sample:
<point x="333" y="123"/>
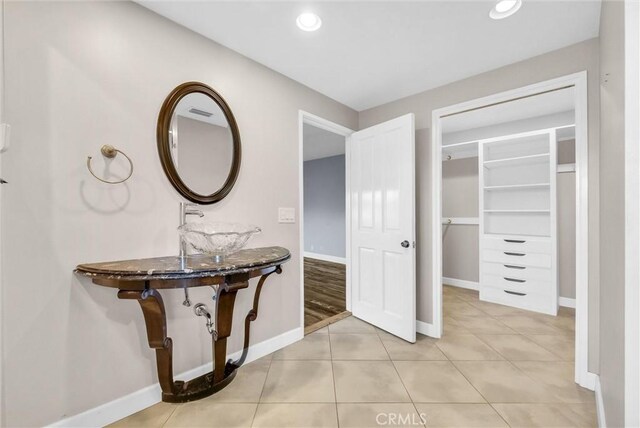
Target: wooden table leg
<point x="252" y="315"/>
<point x="224" y="319"/>
<point x="155" y="320"/>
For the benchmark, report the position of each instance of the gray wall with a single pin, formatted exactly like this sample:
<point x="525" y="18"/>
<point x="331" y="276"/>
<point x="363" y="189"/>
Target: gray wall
<point x="83" y="74"/>
<point x="324" y="206"/>
<point x="612" y="227"/>
<point x="572" y="59"/>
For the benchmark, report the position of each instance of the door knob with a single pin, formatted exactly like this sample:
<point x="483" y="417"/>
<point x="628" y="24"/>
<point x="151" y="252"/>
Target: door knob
<point x="405" y="244"/>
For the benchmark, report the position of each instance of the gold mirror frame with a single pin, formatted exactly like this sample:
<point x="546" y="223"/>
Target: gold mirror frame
<point x="164" y="142"/>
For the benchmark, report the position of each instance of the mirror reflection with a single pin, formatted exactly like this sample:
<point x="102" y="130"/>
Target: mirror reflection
<point x="201" y="143"/>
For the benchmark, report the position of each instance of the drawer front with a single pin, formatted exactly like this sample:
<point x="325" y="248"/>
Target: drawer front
<point x="532" y="302"/>
<point x="517" y="258"/>
<point x="517" y="271"/>
<point x="519" y="285"/>
<point x="520" y="244"/>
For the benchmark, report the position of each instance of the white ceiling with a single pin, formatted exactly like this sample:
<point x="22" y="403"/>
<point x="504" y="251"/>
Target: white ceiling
<point x="318" y="143"/>
<point x="203" y="103"/>
<point x="368" y="53"/>
<point x="524" y="108"/>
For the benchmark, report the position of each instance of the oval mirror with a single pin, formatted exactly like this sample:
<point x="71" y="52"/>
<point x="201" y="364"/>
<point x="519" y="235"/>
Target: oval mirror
<point x="198" y="143"/>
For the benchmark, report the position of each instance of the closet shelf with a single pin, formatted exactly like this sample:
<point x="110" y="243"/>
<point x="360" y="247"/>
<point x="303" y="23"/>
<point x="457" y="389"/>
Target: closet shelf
<point x="518" y="211"/>
<point x="518" y="186"/>
<point x="516" y="161"/>
<point x="467" y="149"/>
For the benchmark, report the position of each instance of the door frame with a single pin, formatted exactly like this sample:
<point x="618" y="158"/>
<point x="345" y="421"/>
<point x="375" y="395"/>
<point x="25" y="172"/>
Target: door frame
<point x="579" y="81"/>
<point x="319" y="122"/>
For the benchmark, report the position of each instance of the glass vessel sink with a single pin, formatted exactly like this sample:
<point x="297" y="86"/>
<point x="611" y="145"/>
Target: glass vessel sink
<point x="217" y="239"/>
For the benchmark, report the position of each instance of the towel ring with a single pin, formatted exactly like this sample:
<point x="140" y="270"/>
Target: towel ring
<point x="110" y="152"/>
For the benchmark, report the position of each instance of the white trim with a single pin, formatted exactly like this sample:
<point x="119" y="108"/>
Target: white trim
<point x="318" y="122"/>
<point x="602" y="420"/>
<point x="326" y="257"/>
<point x="567" y="302"/>
<point x="566" y="167"/>
<point x="139" y="400"/>
<point x="579" y="81"/>
<point x="632" y="215"/>
<point x="425" y="328"/>
<point x="461" y="283"/>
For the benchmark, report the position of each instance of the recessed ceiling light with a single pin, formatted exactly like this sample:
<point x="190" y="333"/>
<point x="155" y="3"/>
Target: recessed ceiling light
<point x="505" y="8"/>
<point x="308" y="21"/>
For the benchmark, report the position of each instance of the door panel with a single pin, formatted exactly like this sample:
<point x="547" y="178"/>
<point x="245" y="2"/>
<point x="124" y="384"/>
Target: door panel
<point x="382" y="177"/>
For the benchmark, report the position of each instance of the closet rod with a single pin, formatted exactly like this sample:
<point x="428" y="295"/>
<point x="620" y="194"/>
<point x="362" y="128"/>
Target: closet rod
<point x="460" y="220"/>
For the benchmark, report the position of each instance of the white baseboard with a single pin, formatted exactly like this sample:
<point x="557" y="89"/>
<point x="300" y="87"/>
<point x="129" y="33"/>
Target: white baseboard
<point x="122" y="407"/>
<point x="426" y="329"/>
<point x="567" y="302"/>
<point x="461" y="283"/>
<point x="326" y="258"/>
<point x="602" y="420"/>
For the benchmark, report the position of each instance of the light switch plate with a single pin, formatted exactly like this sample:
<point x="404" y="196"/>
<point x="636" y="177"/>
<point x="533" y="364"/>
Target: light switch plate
<point x="286" y="215"/>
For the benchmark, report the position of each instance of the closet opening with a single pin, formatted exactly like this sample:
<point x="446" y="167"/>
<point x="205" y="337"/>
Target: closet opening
<point x="323" y="222"/>
<point x="510" y="209"/>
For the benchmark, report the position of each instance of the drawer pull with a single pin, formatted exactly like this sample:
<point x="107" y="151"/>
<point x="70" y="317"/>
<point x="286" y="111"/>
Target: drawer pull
<point x="514" y="279"/>
<point x="514" y="267"/>
<point x="515" y="293"/>
<point x="514" y="254"/>
<point x="515" y="241"/>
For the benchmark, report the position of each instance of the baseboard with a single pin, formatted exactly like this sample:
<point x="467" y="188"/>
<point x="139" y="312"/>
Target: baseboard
<point x="461" y="283"/>
<point x="602" y="420"/>
<point x="567" y="302"/>
<point x="326" y="258"/>
<point x="122" y="407"/>
<point x="426" y="329"/>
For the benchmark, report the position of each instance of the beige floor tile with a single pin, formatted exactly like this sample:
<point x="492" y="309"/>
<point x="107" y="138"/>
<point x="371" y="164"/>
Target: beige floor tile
<point x="323" y="330"/>
<point x="560" y="377"/>
<point x="563" y="346"/>
<point x="424" y="349"/>
<point x="246" y="387"/>
<point x="368" y="382"/>
<point x="216" y="415"/>
<point x="296" y="415"/>
<point x="351" y="325"/>
<point x="154" y="416"/>
<point x="460" y="416"/>
<point x="466" y="347"/>
<point x="502" y="382"/>
<point x="436" y="382"/>
<point x="370" y="415"/>
<point x="548" y="415"/>
<point x="461" y="308"/>
<point x="357" y="347"/>
<point x="312" y="347"/>
<point x="453" y="326"/>
<point x="516" y="347"/>
<point x="529" y="325"/>
<point x="461" y="293"/>
<point x="299" y="382"/>
<point x="482" y="324"/>
<point x="494" y="309"/>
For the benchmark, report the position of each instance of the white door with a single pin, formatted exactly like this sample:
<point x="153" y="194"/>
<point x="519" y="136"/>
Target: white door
<point x="382" y="180"/>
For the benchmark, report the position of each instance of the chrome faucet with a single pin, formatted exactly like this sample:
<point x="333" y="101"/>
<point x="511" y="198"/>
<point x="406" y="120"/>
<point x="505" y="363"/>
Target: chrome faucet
<point x="185" y="210"/>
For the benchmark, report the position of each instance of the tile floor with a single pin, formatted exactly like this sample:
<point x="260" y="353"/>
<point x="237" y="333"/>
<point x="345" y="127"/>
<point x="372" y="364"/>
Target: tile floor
<point x="495" y="367"/>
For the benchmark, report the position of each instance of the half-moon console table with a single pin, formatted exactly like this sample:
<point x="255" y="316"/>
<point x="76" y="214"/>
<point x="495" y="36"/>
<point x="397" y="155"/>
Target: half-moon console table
<point x="141" y="279"/>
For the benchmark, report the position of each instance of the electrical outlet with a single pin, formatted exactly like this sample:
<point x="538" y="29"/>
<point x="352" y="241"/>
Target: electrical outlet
<point x="286" y="215"/>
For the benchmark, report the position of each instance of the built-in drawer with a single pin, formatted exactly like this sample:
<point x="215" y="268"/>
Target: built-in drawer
<point x="518" y="244"/>
<point x="513" y="283"/>
<point x="520" y="258"/>
<point x="530" y="301"/>
<point x="517" y="271"/>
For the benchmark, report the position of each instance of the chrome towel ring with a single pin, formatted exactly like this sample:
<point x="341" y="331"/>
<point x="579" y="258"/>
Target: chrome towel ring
<point x="110" y="152"/>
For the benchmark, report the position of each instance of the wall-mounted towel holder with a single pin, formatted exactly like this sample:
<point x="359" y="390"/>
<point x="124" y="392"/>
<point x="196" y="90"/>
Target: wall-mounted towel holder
<point x="110" y="152"/>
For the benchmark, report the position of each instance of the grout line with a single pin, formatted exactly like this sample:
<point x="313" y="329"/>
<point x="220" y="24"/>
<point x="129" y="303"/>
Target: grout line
<point x="168" y="417"/>
<point x="262" y="391"/>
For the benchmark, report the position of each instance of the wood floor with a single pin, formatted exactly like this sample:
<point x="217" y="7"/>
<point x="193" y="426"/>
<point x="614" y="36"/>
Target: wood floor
<point x="324" y="290"/>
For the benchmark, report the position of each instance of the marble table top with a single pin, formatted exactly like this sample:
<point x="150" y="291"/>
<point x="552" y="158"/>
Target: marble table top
<point x="193" y="266"/>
